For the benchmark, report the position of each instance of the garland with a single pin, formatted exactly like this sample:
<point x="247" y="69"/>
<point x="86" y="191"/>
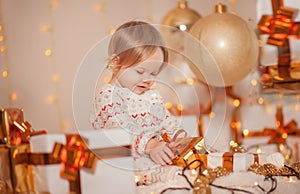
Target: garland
<point x="206" y="177"/>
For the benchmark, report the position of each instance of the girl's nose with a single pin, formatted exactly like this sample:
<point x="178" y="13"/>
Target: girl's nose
<point x="148" y="77"/>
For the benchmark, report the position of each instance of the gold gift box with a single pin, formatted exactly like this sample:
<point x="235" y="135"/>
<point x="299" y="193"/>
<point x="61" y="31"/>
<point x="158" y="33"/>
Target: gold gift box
<point x="17" y="178"/>
<point x="188" y="150"/>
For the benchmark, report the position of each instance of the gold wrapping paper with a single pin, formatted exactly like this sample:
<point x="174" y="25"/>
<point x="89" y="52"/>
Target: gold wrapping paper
<point x="15" y="141"/>
<point x="5" y="175"/>
<point x="22" y="174"/>
<point x="188" y="150"/>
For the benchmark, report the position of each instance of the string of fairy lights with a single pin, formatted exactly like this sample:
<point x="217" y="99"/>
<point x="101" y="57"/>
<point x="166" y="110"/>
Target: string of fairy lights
<point x="5" y="63"/>
<point x="49" y="52"/>
<point x="101" y="7"/>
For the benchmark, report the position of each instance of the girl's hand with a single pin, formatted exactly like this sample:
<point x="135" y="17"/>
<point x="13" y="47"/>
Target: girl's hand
<point x="159" y="152"/>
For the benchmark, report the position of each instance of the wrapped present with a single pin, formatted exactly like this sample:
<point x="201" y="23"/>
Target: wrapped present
<point x="17" y="177"/>
<point x="240" y="162"/>
<point x="283" y="137"/>
<point x="14" y="134"/>
<point x="188" y="150"/>
<point x="113" y="171"/>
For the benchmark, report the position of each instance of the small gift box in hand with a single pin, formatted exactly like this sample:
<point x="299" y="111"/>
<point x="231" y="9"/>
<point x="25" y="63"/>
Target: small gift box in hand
<point x="188" y="150"/>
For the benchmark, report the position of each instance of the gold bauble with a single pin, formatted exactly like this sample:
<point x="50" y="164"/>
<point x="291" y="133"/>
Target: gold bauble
<point x="225" y="49"/>
<point x="181" y="19"/>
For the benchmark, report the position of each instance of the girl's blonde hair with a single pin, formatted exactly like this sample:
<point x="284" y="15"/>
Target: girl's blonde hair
<point x="134" y="42"/>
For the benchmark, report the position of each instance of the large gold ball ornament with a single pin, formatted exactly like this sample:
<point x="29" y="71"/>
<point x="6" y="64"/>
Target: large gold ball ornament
<point x="181" y="19"/>
<point x="225" y="49"/>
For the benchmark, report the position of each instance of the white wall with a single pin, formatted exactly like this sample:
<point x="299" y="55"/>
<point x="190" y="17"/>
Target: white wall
<point x="77" y="26"/>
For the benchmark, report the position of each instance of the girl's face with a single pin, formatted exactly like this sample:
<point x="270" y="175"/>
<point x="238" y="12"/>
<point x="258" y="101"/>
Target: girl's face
<point x="140" y="77"/>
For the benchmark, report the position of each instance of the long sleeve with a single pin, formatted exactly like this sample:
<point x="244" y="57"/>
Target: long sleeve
<point x="106" y="106"/>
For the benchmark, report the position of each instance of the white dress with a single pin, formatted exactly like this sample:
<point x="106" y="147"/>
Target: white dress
<point x="143" y="116"/>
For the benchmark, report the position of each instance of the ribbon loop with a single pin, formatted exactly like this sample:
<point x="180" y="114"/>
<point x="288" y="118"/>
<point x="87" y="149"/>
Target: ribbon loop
<point x="73" y="156"/>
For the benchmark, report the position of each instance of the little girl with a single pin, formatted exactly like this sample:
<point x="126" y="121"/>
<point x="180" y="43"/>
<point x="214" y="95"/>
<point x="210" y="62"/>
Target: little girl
<point x="137" y="55"/>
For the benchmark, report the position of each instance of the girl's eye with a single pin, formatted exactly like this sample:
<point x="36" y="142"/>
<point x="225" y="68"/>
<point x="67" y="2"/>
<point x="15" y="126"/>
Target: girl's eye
<point x="139" y="71"/>
<point x="154" y="74"/>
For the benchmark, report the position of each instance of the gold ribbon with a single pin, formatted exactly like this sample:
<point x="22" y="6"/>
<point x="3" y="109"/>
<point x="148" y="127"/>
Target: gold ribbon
<point x="73" y="156"/>
<point x="281" y="26"/>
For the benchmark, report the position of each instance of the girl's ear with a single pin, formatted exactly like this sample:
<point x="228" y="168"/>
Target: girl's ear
<point x="115" y="59"/>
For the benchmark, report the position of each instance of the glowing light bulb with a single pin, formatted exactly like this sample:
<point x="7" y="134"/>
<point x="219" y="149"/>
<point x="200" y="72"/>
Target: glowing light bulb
<point x="55" y="78"/>
<point x="5" y="74"/>
<point x="13" y="96"/>
<point x="246" y="132"/>
<point x="261" y="100"/>
<point x="253" y="82"/>
<point x="1" y="27"/>
<point x="211" y="114"/>
<point x="236" y="102"/>
<point x="2" y="48"/>
<point x="53" y="4"/>
<point x="45" y="28"/>
<point x="193" y="172"/>
<point x="65" y="125"/>
<point x="136" y="179"/>
<point x="107" y="79"/>
<point x="48" y="52"/>
<point x="231" y="143"/>
<point x="1" y="38"/>
<point x="168" y="105"/>
<point x="222" y="44"/>
<point x="180" y="107"/>
<point x="111" y="31"/>
<point x="99" y="7"/>
<point x="190" y="81"/>
<point x="182" y="27"/>
<point x="296" y="107"/>
<point x="258" y="150"/>
<point x="51" y="99"/>
<point x="284" y="135"/>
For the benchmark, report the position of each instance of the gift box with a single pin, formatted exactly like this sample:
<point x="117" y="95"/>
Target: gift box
<point x="240" y="162"/>
<point x="14" y="134"/>
<point x="278" y="131"/>
<point x="113" y="171"/>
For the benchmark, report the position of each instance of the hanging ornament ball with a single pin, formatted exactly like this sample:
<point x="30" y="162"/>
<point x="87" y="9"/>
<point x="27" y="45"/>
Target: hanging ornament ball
<point x="180" y="19"/>
<point x="226" y="49"/>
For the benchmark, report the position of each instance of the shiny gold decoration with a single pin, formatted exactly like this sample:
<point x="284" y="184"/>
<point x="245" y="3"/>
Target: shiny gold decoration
<point x="271" y="170"/>
<point x="181" y="19"/>
<point x="22" y="174"/>
<point x="282" y="77"/>
<point x="181" y="16"/>
<point x="204" y="179"/>
<point x="216" y="173"/>
<point x="201" y="185"/>
<point x="237" y="149"/>
<point x="227" y="46"/>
